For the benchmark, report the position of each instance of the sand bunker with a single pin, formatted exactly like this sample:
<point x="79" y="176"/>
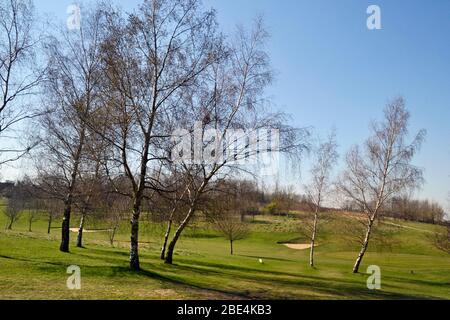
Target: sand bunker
<point x="298" y="246"/>
<point x="88" y="231"/>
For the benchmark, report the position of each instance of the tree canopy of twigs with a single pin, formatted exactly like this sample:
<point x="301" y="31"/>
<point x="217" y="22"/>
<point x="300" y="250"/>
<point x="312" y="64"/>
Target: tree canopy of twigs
<point x="325" y="157"/>
<point x="19" y="77"/>
<point x="383" y="168"/>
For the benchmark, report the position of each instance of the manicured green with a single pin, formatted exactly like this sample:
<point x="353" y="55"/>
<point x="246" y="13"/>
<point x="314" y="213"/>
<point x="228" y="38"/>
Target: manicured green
<point x="31" y="267"/>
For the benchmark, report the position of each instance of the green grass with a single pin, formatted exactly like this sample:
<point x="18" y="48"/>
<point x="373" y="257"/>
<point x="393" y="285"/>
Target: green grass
<point x="31" y="267"/>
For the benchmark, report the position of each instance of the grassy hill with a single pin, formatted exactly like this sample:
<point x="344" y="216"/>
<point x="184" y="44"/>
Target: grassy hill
<point x="31" y="267"/>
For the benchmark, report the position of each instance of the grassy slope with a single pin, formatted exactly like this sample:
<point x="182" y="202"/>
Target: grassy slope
<point x="31" y="266"/>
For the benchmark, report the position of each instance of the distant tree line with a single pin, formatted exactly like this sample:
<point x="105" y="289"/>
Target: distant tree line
<point x="415" y="210"/>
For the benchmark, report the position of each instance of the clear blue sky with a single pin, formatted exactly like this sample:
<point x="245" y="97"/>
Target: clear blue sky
<point x="333" y="72"/>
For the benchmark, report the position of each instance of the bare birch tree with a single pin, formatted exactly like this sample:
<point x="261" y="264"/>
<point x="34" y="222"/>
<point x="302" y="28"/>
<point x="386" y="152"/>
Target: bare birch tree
<point x="19" y="76"/>
<point x="15" y="207"/>
<point x="33" y="211"/>
<point x="324" y="159"/>
<point x="72" y="87"/>
<point x="177" y="203"/>
<point x="223" y="211"/>
<point x="117" y="210"/>
<point x="383" y="169"/>
<point x="18" y="200"/>
<point x="151" y="56"/>
<point x="93" y="186"/>
<point x="90" y="190"/>
<point x="53" y="208"/>
<point x="216" y="115"/>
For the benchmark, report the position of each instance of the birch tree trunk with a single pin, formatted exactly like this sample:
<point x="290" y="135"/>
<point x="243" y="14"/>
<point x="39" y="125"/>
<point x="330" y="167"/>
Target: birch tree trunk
<point x="166" y="239"/>
<point x="49" y="227"/>
<point x="112" y="236"/>
<point x="364" y="246"/>
<point x="313" y="239"/>
<point x="80" y="230"/>
<point x="171" y="248"/>
<point x="134" y="241"/>
<point x="65" y="227"/>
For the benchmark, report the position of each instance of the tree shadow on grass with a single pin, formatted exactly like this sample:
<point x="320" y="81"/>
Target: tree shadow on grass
<point x="317" y="288"/>
<point x="112" y="251"/>
<point x="419" y="281"/>
<point x="33" y="261"/>
<point x="231" y="274"/>
<point x="265" y="258"/>
<point x="329" y="285"/>
<point x="176" y="281"/>
<point x="338" y="288"/>
<point x="260" y="222"/>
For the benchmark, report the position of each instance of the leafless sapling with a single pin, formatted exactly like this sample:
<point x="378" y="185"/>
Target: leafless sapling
<point x="318" y="189"/>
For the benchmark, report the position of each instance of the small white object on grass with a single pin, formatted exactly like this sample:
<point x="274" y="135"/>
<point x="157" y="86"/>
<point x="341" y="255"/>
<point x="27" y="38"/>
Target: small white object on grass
<point x="261" y="261"/>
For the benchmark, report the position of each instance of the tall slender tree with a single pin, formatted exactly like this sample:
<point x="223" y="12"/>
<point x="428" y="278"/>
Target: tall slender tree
<point x="72" y="96"/>
<point x="318" y="189"/>
<point x="383" y="169"/>
<point x="224" y="123"/>
<point x="223" y="211"/>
